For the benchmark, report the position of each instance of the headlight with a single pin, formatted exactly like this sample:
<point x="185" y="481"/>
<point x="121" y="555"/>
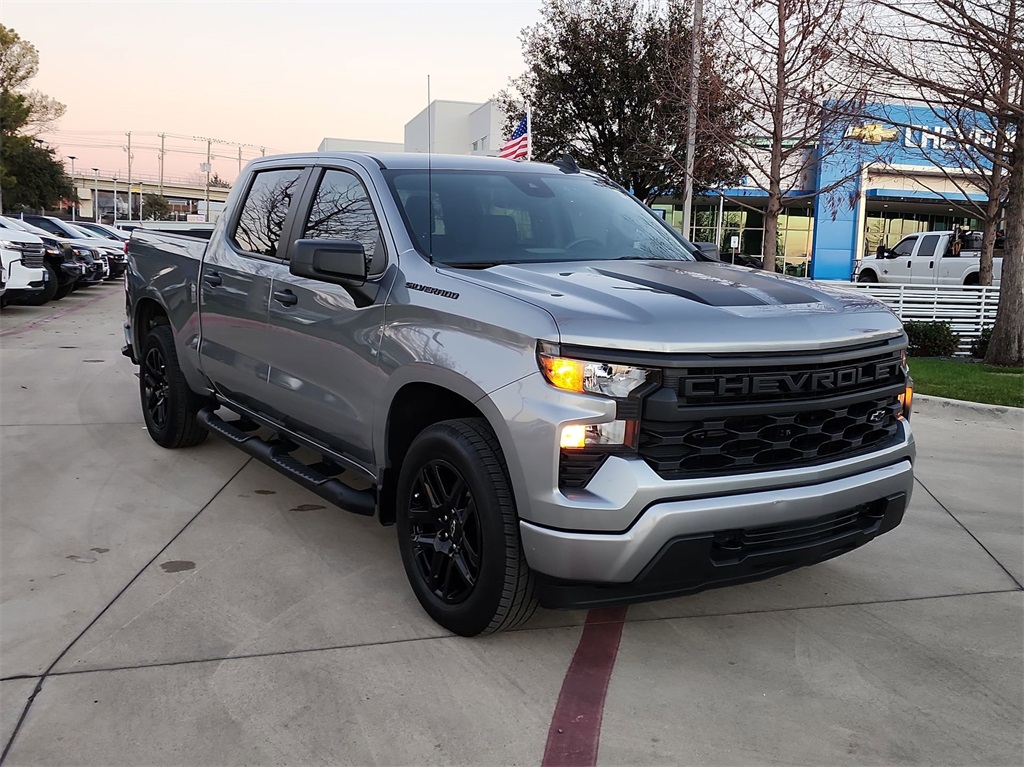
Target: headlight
<point x="584" y="376"/>
<point x="622" y="383"/>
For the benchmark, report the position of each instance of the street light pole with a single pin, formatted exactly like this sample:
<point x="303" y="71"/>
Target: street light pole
<point x="74" y="186"/>
<point x="96" y="195"/>
<point x="129" y="134"/>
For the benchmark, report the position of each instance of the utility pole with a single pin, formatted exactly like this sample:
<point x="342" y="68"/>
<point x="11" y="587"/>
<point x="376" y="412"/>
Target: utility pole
<point x="96" y="195"/>
<point x="263" y="151"/>
<point x="129" y="134"/>
<point x="74" y="187"/>
<point x="209" y="160"/>
<point x="691" y="117"/>
<point x="115" y="200"/>
<point x="239" y="160"/>
<point x="162" y="135"/>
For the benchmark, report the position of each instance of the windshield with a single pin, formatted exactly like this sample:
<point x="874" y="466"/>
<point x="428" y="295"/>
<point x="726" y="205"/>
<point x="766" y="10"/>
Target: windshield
<point x="82" y="231"/>
<point x="25" y="226"/>
<point x="484" y="218"/>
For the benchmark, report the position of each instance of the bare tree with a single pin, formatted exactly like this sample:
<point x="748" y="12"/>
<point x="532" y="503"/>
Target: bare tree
<point x="594" y="83"/>
<point x="965" y="59"/>
<point x="790" y="76"/>
<point x="942" y="55"/>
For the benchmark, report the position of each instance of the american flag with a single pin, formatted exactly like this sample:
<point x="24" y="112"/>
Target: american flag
<point x="518" y="145"/>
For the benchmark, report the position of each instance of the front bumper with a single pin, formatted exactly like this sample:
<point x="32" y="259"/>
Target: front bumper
<point x="684" y="546"/>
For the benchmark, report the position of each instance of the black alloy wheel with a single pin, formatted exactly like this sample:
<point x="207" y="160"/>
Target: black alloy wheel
<point x="445" y="529"/>
<point x="156" y="386"/>
<point x="169" y="406"/>
<point x="458" y="530"/>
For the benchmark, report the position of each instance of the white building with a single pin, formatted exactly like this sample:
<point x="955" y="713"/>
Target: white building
<point x="358" y="145"/>
<point x="452" y="127"/>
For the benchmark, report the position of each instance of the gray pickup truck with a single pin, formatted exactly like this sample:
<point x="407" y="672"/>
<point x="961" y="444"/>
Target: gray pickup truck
<point x="552" y="395"/>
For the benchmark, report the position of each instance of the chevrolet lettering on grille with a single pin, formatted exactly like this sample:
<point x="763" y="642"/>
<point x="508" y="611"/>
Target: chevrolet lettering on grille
<point x="809" y="382"/>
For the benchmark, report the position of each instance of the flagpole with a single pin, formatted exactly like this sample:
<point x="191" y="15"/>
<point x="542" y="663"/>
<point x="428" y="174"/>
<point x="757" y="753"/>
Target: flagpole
<point x="529" y="133"/>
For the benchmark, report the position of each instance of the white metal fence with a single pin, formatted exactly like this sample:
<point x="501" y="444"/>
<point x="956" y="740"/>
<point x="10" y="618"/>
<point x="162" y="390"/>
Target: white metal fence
<point x="968" y="308"/>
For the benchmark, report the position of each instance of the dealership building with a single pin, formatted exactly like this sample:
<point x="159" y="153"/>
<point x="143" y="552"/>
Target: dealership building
<point x="886" y="177"/>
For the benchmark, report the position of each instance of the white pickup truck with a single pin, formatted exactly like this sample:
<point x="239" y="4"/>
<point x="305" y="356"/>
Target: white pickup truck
<point x="929" y="258"/>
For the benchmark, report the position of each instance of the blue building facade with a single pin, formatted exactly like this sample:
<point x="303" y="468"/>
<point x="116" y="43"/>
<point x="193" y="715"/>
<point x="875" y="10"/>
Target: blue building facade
<point x="885" y="176"/>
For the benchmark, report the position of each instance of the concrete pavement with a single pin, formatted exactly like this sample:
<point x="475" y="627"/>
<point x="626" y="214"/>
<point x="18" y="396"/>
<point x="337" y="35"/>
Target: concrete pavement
<point x="196" y="608"/>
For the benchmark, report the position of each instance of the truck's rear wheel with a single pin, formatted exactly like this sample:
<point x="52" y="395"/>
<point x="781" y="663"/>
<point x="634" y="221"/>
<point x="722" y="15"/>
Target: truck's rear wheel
<point x="458" y="531"/>
<point x="168" y="405"/>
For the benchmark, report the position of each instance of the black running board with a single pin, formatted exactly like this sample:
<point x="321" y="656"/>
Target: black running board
<point x="277" y="455"/>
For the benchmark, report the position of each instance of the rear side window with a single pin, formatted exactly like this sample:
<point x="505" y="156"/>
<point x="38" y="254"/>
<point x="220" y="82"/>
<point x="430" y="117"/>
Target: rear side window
<point x="265" y="210"/>
<point x="928" y="245"/>
<point x="342" y="210"/>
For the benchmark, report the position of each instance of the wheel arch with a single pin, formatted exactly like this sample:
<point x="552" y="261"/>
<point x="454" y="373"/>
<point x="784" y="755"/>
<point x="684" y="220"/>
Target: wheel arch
<point x="421" y="395"/>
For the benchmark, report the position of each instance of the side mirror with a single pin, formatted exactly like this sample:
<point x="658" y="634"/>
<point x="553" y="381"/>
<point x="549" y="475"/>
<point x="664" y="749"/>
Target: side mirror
<point x="342" y="262"/>
<point x="708" y="249"/>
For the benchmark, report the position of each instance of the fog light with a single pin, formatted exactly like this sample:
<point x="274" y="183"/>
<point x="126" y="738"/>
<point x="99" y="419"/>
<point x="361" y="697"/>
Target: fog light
<point x="574" y="435"/>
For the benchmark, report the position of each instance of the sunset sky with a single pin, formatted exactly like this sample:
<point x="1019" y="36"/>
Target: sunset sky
<point x="276" y="73"/>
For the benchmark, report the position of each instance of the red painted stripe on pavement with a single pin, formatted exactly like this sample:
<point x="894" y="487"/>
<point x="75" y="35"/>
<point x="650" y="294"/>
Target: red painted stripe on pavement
<point x="40" y="321"/>
<point x="575" y="730"/>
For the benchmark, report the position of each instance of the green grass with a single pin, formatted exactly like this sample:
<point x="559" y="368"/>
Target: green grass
<point x="968" y="381"/>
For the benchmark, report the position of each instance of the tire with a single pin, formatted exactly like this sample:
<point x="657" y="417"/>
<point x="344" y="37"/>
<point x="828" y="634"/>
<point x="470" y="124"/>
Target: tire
<point x="168" y="405"/>
<point x="868" y="276"/>
<point x="462" y="461"/>
<point x="64" y="290"/>
<point x="972" y="279"/>
<point x="47" y="293"/>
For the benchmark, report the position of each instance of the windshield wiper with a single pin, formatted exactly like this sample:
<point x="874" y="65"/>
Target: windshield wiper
<point x="476" y="264"/>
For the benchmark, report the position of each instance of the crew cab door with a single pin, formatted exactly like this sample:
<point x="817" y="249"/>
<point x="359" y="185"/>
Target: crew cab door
<point x="235" y="285"/>
<point x="324" y="337"/>
<point x="922" y="263"/>
<point x="897" y="267"/>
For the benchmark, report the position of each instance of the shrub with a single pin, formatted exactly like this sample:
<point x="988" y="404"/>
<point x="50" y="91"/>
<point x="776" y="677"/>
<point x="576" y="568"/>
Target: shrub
<point x="931" y="339"/>
<point x="979" y="346"/>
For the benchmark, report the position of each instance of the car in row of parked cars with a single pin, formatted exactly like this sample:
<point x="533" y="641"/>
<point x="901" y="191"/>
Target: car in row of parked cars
<point x="45" y="258"/>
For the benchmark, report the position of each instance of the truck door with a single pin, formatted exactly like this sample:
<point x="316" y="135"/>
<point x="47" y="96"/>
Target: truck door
<point x="922" y="263"/>
<point x="898" y="267"/>
<point x="234" y="287"/>
<point x="324" y="338"/>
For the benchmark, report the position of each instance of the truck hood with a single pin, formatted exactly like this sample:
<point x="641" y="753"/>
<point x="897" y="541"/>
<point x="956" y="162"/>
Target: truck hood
<point x="684" y="306"/>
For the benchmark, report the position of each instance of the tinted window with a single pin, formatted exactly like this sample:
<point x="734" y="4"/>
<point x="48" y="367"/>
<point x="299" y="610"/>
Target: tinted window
<point x="928" y="245"/>
<point x="341" y="210"/>
<point x="489" y="217"/>
<point x="906" y="247"/>
<point x="265" y="209"/>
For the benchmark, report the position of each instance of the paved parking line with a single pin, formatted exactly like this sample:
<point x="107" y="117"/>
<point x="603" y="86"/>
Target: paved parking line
<point x="575" y="731"/>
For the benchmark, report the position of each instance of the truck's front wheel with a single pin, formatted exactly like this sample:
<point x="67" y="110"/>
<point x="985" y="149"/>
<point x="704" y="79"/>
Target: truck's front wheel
<point x="458" y="531"/>
<point x="867" y="276"/>
<point x="168" y="405"/>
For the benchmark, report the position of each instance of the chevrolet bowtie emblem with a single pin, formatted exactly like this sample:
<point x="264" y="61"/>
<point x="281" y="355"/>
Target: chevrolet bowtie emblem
<point x="872" y="133"/>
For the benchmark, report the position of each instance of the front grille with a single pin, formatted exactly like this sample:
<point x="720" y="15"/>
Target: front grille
<point x="787" y="381"/>
<point x="739" y="444"/>
<point x="734" y="415"/>
<point x="32" y="256"/>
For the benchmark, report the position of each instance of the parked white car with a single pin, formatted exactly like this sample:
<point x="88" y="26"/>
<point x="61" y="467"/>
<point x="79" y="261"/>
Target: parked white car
<point x="929" y="258"/>
<point x="22" y="259"/>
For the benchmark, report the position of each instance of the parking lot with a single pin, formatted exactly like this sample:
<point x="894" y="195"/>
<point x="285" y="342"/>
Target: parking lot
<point x="195" y="608"/>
